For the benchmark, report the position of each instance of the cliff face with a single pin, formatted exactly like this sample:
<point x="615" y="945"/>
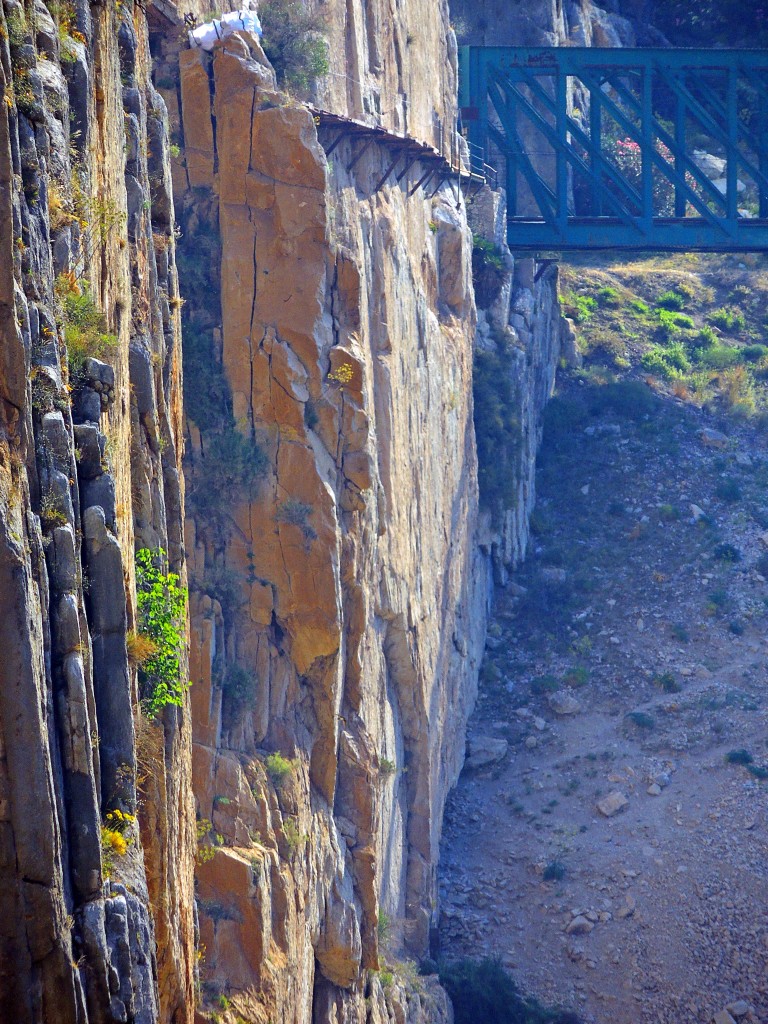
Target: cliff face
<point x="519" y="335"/>
<point x="89" y="469"/>
<point x="337" y="588"/>
<point x="339" y="605"/>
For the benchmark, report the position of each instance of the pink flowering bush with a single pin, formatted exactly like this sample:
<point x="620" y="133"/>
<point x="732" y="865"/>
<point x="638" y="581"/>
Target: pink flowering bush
<point x="626" y="154"/>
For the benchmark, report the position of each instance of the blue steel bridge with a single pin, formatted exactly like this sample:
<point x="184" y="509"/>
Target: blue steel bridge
<point x="611" y="148"/>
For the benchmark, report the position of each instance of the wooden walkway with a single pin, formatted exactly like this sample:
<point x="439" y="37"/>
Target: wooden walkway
<point x="434" y="167"/>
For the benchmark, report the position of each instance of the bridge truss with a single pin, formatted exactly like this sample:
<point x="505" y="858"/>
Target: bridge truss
<point x="624" y="149"/>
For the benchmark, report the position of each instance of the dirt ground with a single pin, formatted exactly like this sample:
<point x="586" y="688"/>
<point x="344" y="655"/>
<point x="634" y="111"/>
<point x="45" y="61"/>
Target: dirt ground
<point x="627" y="661"/>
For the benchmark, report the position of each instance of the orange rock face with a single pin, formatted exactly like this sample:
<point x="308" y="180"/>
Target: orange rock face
<point x="333" y="678"/>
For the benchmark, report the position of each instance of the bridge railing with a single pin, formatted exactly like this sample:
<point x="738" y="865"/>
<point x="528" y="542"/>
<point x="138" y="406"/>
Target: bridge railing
<point x="624" y="148"/>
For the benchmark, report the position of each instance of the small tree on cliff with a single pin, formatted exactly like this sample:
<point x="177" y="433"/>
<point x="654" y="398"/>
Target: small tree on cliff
<point x="293" y="43"/>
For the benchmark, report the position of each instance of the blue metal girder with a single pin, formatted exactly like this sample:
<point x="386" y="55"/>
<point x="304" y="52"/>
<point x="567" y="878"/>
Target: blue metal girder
<point x="516" y="105"/>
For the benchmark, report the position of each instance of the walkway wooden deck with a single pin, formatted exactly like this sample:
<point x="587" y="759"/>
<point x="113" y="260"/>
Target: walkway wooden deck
<point x="434" y="168"/>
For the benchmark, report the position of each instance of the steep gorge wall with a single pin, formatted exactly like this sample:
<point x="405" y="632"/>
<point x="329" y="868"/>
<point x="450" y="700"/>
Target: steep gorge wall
<point x="89" y="469"/>
<point x="339" y="606"/>
<point x="338" y="593"/>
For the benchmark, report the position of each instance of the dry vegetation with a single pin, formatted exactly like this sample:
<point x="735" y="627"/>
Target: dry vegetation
<point x="693" y="325"/>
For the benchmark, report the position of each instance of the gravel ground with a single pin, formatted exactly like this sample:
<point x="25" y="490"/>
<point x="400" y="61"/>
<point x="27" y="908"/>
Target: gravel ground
<point x="627" y="661"/>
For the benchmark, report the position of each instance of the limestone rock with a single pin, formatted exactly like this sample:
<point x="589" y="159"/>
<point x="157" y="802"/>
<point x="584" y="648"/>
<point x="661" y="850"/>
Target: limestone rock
<point x="714" y="438"/>
<point x="339" y="950"/>
<point x="483" y="751"/>
<point x="612" y="804"/>
<point x="579" y="925"/>
<point x="739" y="1008"/>
<point x="563" y="702"/>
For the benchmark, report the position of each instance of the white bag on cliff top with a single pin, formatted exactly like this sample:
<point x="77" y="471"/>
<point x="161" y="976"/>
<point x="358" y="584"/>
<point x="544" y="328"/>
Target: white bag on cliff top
<point x="205" y="36"/>
<point x="241" y="21"/>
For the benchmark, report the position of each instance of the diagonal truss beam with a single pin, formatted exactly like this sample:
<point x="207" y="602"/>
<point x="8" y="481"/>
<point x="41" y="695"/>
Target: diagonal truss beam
<point x="517" y="104"/>
<point x="605" y="167"/>
<point x="644" y="138"/>
<point x="685" y="162"/>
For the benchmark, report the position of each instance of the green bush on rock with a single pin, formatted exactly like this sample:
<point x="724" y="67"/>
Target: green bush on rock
<point x="293" y="43"/>
<point x="161" y="605"/>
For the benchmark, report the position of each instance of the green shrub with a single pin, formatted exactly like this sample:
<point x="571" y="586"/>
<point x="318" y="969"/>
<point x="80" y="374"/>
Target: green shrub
<point x="638" y="306"/>
<point x="758" y="770"/>
<point x="629" y="399"/>
<point x="278" y="768"/>
<point x="383" y="928"/>
<point x="16" y="25"/>
<point x="576" y="677"/>
<point x="161" y="605"/>
<point x="728" y="489"/>
<point x="231" y="463"/>
<point x="655" y="361"/>
<point x="579" y="308"/>
<point x="223" y="584"/>
<point x="671" y="300"/>
<point x="754" y="353"/>
<point x="641" y="720"/>
<point x="719" y="356"/>
<point x="544" y="684"/>
<point x="719" y="599"/>
<point x="562" y="418"/>
<point x="667" y="316"/>
<point x="236" y="464"/>
<point x="739" y="757"/>
<point x="727" y="553"/>
<point x="554" y="871"/>
<point x="706" y="338"/>
<point x="52" y="511"/>
<point x="85" y="329"/>
<point x="679" y="632"/>
<point x="293" y="43"/>
<point x="482" y="992"/>
<point x="294" y="837"/>
<point x="608" y="296"/>
<point x="203" y="374"/>
<point x="239" y="690"/>
<point x="311" y="418"/>
<point x="677" y="357"/>
<point x="297" y="513"/>
<point x="487" y="252"/>
<point x="666" y="682"/>
<point x="728" y="319"/>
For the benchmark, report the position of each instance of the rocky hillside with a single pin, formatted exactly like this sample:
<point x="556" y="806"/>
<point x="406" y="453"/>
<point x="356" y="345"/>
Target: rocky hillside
<point x="607" y="840"/>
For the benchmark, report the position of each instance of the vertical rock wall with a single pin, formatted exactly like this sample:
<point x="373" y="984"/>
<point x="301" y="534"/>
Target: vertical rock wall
<point x="89" y="468"/>
<point x="519" y="325"/>
<point x="339" y="606"/>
